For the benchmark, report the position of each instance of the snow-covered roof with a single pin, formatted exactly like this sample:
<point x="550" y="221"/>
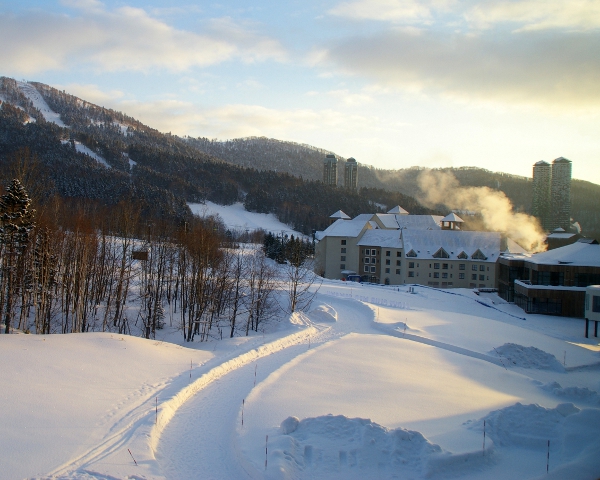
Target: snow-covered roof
<point x="452" y="217"/>
<point x="347" y="228"/>
<point x="580" y="254"/>
<point x="398" y="210"/>
<point x="561" y="235"/>
<point x="393" y="221"/>
<point x="340" y="214"/>
<point x="427" y="242"/>
<point x="381" y="238"/>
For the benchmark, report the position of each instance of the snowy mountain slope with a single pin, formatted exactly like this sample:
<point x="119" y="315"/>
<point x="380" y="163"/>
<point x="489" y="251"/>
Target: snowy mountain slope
<point x="85" y="410"/>
<point x="38" y="102"/>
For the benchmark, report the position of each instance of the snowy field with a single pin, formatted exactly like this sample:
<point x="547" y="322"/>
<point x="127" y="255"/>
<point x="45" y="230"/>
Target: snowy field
<point x="372" y="382"/>
<point x="235" y="217"/>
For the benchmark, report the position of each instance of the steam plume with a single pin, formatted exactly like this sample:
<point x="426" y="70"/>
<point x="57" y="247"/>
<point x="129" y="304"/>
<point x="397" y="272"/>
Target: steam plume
<point x="440" y="188"/>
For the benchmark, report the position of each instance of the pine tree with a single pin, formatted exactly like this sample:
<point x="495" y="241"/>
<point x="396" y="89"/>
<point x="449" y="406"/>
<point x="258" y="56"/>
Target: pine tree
<point x="16" y="223"/>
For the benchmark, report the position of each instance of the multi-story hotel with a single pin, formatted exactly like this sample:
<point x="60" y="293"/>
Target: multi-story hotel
<point x="397" y="248"/>
<point x="542" y="179"/>
<point x="561" y="193"/>
<point x="351" y="174"/>
<point x="330" y="170"/>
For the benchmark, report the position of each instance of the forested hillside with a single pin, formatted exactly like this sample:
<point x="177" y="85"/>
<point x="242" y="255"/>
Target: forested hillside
<point x="102" y="155"/>
<point x="306" y="161"/>
<point x="89" y="152"/>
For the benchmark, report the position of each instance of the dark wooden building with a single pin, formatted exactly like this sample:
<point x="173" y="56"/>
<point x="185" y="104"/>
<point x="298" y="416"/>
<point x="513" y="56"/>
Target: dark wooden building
<point x="552" y="282"/>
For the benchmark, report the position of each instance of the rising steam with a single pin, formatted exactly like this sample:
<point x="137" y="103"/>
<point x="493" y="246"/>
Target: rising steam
<point x="439" y="188"/>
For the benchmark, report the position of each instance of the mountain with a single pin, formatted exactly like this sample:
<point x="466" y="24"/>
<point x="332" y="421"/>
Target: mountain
<point x="87" y="151"/>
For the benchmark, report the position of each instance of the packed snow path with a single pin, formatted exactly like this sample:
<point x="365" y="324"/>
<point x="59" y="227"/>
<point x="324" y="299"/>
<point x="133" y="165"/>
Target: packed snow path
<point x="200" y="441"/>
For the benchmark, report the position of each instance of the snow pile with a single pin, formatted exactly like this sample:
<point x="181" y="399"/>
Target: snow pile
<point x="526" y="425"/>
<point x="323" y="314"/>
<point x="345" y="447"/>
<point x="577" y="394"/>
<point x="528" y="357"/>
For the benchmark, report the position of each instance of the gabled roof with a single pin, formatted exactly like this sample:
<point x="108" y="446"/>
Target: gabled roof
<point x="346" y="228"/>
<point x="422" y="222"/>
<point x="398" y="210"/>
<point x="340" y="214"/>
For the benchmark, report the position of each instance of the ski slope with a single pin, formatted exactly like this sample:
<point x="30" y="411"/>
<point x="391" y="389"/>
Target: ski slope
<point x="372" y="382"/>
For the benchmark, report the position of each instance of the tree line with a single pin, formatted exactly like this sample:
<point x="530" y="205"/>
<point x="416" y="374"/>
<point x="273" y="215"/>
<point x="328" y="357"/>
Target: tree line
<point x="70" y="268"/>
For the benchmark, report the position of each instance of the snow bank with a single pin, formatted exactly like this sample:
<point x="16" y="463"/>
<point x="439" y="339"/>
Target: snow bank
<point x="529" y="426"/>
<point x="576" y="394"/>
<point x="346" y="447"/>
<point x="323" y="314"/>
<point x="528" y="357"/>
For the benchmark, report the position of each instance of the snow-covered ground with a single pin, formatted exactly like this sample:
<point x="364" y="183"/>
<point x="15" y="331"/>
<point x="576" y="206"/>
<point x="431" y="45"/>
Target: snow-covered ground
<point x="237" y="218"/>
<point x="373" y="382"/>
<point x="38" y="102"/>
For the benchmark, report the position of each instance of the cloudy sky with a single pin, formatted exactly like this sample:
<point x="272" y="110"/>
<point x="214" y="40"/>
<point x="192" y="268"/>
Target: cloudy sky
<point x="393" y="83"/>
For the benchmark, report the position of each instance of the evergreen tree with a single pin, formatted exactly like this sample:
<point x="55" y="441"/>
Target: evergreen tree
<point x="16" y="223"/>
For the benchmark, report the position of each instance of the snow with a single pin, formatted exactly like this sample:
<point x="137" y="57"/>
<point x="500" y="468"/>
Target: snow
<point x="578" y="253"/>
<point x="371" y="382"/>
<point x="81" y="148"/>
<point x="236" y="217"/>
<point x="38" y="102"/>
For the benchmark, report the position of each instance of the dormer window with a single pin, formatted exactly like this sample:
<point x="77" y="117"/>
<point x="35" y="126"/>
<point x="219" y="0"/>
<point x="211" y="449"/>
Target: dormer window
<point x="478" y="255"/>
<point x="412" y="253"/>
<point x="462" y="255"/>
<point x="441" y="253"/>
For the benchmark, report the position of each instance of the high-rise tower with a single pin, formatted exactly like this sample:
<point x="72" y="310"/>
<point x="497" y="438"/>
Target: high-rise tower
<point x="561" y="193"/>
<point x="542" y="177"/>
<point x="330" y="170"/>
<point x="351" y="174"/>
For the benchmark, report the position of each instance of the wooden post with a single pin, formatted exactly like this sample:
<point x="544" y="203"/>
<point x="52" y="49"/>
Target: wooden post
<point x="548" y="458"/>
<point x="266" y="451"/>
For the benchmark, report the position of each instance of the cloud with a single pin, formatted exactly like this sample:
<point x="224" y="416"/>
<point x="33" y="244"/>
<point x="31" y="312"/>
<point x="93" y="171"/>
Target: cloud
<point x="124" y="39"/>
<point x="92" y="93"/>
<point x="385" y="10"/>
<point x="537" y="14"/>
<point x="350" y="99"/>
<point x="532" y="67"/>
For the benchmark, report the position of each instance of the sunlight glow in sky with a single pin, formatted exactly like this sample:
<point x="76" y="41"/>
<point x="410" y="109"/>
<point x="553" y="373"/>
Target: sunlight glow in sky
<point x="394" y="83"/>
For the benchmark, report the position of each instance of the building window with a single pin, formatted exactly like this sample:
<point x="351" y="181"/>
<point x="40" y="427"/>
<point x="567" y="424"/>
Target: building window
<point x="474" y="276"/>
<point x="436" y="266"/>
<point x="444" y="266"/>
<point x="398" y="254"/>
<point x="343" y="250"/>
<point x="411" y="264"/>
<point x="367" y="260"/>
<point x="387" y="253"/>
<point x="474" y="268"/>
<point x="387" y="270"/>
<point x="387" y="261"/>
<point x="373" y="269"/>
<point x="461" y="266"/>
<point x="461" y="276"/>
<point x="481" y="278"/>
<point x="343" y="258"/>
<point x="595" y="303"/>
<point x="373" y="252"/>
<point x="398" y="263"/>
<point x="397" y="271"/>
<point x="343" y="266"/>
<point x="366" y="268"/>
<point x="444" y="275"/>
<point x="411" y="274"/>
<point x="482" y="268"/>
<point x="436" y="275"/>
<point x="343" y="242"/>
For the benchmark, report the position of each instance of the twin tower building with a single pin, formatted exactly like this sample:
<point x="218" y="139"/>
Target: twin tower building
<point x="552" y="194"/>
<point x="330" y="171"/>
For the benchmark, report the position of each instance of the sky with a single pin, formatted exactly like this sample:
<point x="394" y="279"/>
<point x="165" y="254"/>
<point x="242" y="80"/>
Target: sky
<point x="393" y="83"/>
